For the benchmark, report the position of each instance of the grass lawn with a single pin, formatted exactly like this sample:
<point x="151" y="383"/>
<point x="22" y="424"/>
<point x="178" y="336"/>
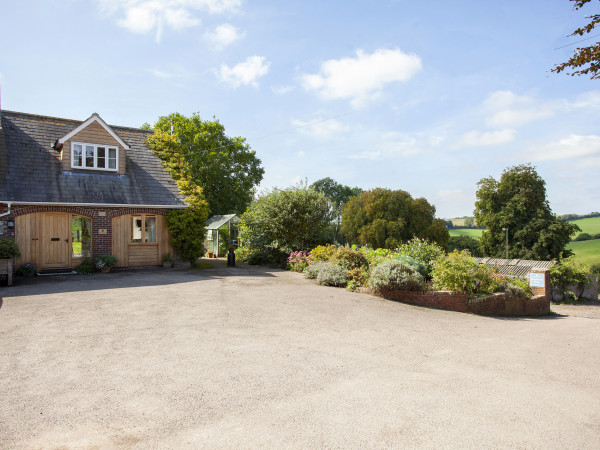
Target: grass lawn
<point x="590" y="225"/>
<point x="586" y="251"/>
<point x="471" y="232"/>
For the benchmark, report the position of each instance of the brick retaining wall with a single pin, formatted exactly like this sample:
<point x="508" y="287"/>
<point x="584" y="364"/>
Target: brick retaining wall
<point x="492" y="305"/>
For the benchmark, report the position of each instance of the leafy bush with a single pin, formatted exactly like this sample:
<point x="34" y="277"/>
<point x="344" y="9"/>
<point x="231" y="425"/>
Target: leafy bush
<point x="27" y="270"/>
<point x="312" y="271"/>
<point x="397" y="276"/>
<point x="423" y="250"/>
<point x="87" y="266"/>
<point x="512" y="290"/>
<point x="105" y="262"/>
<point x="460" y="272"/>
<point x="323" y="252"/>
<point x="584" y="237"/>
<point x="377" y="255"/>
<point x="522" y="283"/>
<point x="332" y="275"/>
<point x="268" y="257"/>
<point x="8" y="248"/>
<point x="568" y="272"/>
<point x="595" y="270"/>
<point x="356" y="278"/>
<point x="348" y="258"/>
<point x="242" y="254"/>
<point x="298" y="261"/>
<point x="413" y="262"/>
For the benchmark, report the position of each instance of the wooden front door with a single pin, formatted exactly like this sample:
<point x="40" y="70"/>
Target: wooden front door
<point x="55" y="240"/>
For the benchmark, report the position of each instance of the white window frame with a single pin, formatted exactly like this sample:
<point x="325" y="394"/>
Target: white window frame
<point x="83" y="149"/>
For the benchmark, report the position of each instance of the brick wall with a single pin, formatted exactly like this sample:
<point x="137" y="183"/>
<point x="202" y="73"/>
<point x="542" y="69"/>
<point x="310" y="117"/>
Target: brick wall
<point x="492" y="305"/>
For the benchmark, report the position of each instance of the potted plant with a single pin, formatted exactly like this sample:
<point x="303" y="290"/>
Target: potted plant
<point x="105" y="262"/>
<point x="8" y="250"/>
<point x="167" y="260"/>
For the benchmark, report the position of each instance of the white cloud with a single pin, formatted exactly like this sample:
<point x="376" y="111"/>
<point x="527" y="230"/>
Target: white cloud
<point x="322" y="129"/>
<point x="486" y="139"/>
<point x="301" y="154"/>
<point x="587" y="100"/>
<point x="362" y="78"/>
<point x="223" y="35"/>
<point x="282" y="90"/>
<point x="244" y="73"/>
<point x="509" y="110"/>
<point x="144" y="16"/>
<point x="171" y="74"/>
<point x="586" y="149"/>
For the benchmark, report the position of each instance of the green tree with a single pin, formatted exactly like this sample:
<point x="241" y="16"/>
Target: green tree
<point x="289" y="219"/>
<point x="586" y="60"/>
<point x="338" y="194"/>
<point x="464" y="243"/>
<point x="224" y="167"/>
<point x="186" y="226"/>
<point x="518" y="202"/>
<point x="383" y="218"/>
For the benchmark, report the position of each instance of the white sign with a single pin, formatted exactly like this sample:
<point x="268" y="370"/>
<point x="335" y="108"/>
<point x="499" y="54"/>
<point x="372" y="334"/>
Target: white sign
<point x="537" y="280"/>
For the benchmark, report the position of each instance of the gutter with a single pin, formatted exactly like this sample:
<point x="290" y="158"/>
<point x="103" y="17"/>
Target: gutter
<point x="91" y="205"/>
<point x="9" y="211"/>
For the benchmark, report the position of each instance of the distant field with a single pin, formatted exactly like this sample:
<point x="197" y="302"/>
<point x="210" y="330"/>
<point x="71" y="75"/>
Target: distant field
<point x="586" y="251"/>
<point x="471" y="232"/>
<point x="590" y="225"/>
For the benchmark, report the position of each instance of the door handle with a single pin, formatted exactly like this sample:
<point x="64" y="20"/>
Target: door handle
<point x="67" y="241"/>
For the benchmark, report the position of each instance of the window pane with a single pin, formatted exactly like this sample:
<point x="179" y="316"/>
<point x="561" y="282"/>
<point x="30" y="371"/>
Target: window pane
<point x="89" y="156"/>
<point x="150" y="229"/>
<point x="101" y="158"/>
<point x="77" y="150"/>
<point x="136" y="229"/>
<point x="81" y="236"/>
<point x="112" y="158"/>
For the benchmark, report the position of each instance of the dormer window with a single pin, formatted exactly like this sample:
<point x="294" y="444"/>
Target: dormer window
<point x="94" y="156"/>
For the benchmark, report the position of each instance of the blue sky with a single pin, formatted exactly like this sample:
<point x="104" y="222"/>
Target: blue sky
<point x="428" y="97"/>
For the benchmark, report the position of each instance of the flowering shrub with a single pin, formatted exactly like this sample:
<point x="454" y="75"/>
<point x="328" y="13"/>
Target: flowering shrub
<point x="27" y="270"/>
<point x="348" y="258"/>
<point x="323" y="252"/>
<point x="396" y="275"/>
<point x="332" y="275"/>
<point x="105" y="262"/>
<point x="300" y="260"/>
<point x="376" y="255"/>
<point x="423" y="250"/>
<point x="460" y="272"/>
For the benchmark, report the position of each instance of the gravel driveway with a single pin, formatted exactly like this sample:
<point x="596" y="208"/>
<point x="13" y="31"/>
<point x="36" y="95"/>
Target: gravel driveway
<point x="251" y="357"/>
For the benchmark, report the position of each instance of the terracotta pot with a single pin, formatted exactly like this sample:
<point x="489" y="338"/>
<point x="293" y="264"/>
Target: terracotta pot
<point x="105" y="270"/>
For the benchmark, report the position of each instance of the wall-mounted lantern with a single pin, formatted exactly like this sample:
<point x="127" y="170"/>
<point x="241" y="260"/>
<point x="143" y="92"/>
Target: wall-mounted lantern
<point x="10" y="223"/>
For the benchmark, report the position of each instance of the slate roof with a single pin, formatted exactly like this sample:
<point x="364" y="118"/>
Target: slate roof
<point x="216" y="222"/>
<point x="516" y="267"/>
<point x="30" y="170"/>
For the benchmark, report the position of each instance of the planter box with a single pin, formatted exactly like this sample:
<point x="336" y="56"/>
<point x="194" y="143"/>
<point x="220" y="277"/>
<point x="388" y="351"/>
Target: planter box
<point x="7" y="267"/>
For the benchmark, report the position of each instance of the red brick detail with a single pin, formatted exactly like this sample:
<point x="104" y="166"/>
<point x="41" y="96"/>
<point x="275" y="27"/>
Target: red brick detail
<point x="101" y="243"/>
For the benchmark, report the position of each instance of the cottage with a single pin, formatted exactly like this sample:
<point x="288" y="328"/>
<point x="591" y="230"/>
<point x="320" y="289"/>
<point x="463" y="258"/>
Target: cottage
<point x="70" y="189"/>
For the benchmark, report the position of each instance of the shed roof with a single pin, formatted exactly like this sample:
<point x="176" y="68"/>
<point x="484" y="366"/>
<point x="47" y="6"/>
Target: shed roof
<point x="30" y="170"/>
<point x="518" y="267"/>
<point x="216" y="222"/>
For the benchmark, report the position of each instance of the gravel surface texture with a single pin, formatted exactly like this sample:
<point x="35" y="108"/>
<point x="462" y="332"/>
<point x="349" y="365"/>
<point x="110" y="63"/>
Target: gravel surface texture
<point x="251" y="357"/>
